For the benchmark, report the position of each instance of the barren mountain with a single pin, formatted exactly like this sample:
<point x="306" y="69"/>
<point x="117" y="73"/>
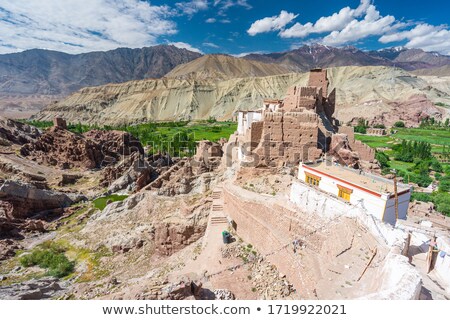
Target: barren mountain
<point x="32" y="79"/>
<point x="51" y="72"/>
<point x="439" y="72"/>
<point x="369" y="92"/>
<point x="168" y="99"/>
<point x="316" y="55"/>
<point x="385" y="95"/>
<point x="222" y="67"/>
<point x="29" y="80"/>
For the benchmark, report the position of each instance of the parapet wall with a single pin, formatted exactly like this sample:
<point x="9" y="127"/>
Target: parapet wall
<point x="397" y="279"/>
<point x="268" y="228"/>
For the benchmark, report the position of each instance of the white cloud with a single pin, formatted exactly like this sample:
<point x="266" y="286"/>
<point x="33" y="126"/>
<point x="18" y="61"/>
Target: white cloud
<point x="336" y="22"/>
<point x="372" y="24"/>
<point x="184" y="45"/>
<point x="210" y="20"/>
<point x="76" y="26"/>
<point x="191" y="7"/>
<point x="423" y="36"/>
<point x="226" y="4"/>
<point x="274" y="23"/>
<point x="211" y="45"/>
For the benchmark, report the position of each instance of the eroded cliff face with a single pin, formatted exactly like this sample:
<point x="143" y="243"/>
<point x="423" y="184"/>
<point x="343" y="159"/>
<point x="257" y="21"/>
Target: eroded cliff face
<point x="375" y="93"/>
<point x="168" y="99"/>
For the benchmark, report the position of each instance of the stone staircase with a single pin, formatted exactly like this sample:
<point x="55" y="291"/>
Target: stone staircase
<point x="218" y="221"/>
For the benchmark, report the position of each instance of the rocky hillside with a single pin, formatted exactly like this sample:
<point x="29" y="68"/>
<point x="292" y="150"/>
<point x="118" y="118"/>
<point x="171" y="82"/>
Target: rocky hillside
<point x="168" y="99"/>
<point x="316" y="55"/>
<point x="385" y="95"/>
<point x="31" y="79"/>
<point x="370" y="92"/>
<point x="51" y="72"/>
<point x="223" y="67"/>
<point x="439" y="72"/>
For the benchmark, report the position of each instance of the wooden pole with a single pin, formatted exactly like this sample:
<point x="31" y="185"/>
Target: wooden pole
<point x="396" y="197"/>
<point x="374" y="253"/>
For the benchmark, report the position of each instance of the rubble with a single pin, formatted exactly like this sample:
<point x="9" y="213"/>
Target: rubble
<point x="223" y="294"/>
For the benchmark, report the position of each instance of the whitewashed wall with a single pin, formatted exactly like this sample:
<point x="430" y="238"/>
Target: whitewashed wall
<point x="442" y="265"/>
<point x="380" y="207"/>
<point x="397" y="279"/>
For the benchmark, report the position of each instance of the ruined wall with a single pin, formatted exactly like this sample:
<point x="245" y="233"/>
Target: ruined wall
<point x="309" y="98"/>
<point x="271" y="227"/>
<point x="318" y="78"/>
<point x="288" y="137"/>
<point x="330" y="104"/>
<point x="256" y="133"/>
<point x="365" y="152"/>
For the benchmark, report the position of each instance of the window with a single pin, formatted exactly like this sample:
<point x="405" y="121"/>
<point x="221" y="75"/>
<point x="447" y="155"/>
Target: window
<point x="344" y="193"/>
<point x="312" y="179"/>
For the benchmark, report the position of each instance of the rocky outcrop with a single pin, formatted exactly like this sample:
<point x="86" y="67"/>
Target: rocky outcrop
<point x="340" y="149"/>
<point x="19" y="200"/>
<point x="95" y="149"/>
<point x="115" y="143"/>
<point x="162" y="224"/>
<point x="37" y="289"/>
<point x="170" y="238"/>
<point x="133" y="174"/>
<point x="14" y="132"/>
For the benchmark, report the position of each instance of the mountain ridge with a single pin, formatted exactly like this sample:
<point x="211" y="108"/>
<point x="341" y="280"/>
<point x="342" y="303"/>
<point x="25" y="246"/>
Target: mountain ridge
<point x="383" y="94"/>
<point x="33" y="79"/>
<point x="313" y="56"/>
<point x="223" y="67"/>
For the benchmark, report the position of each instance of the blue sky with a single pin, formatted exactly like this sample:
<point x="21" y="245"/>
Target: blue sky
<point x="226" y="26"/>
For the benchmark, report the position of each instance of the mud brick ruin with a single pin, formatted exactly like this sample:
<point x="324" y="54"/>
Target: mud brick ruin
<point x="299" y="128"/>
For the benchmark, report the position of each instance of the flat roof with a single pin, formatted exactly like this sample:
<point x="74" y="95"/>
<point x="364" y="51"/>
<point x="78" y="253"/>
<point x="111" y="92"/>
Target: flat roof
<point x="364" y="180"/>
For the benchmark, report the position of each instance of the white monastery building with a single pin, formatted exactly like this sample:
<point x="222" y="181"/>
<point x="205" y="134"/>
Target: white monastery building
<point x="374" y="194"/>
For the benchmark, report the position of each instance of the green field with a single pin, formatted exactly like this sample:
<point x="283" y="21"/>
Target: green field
<point x="437" y="138"/>
<point x="375" y="141"/>
<point x="212" y="131"/>
<point x="177" y="138"/>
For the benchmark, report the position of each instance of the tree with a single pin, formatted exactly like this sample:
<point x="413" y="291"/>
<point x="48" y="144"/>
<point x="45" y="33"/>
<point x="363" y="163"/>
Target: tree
<point x="399" y="124"/>
<point x="383" y="159"/>
<point x="361" y="127"/>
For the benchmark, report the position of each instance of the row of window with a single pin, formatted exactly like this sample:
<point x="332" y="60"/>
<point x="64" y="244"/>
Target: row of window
<point x="344" y="193"/>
